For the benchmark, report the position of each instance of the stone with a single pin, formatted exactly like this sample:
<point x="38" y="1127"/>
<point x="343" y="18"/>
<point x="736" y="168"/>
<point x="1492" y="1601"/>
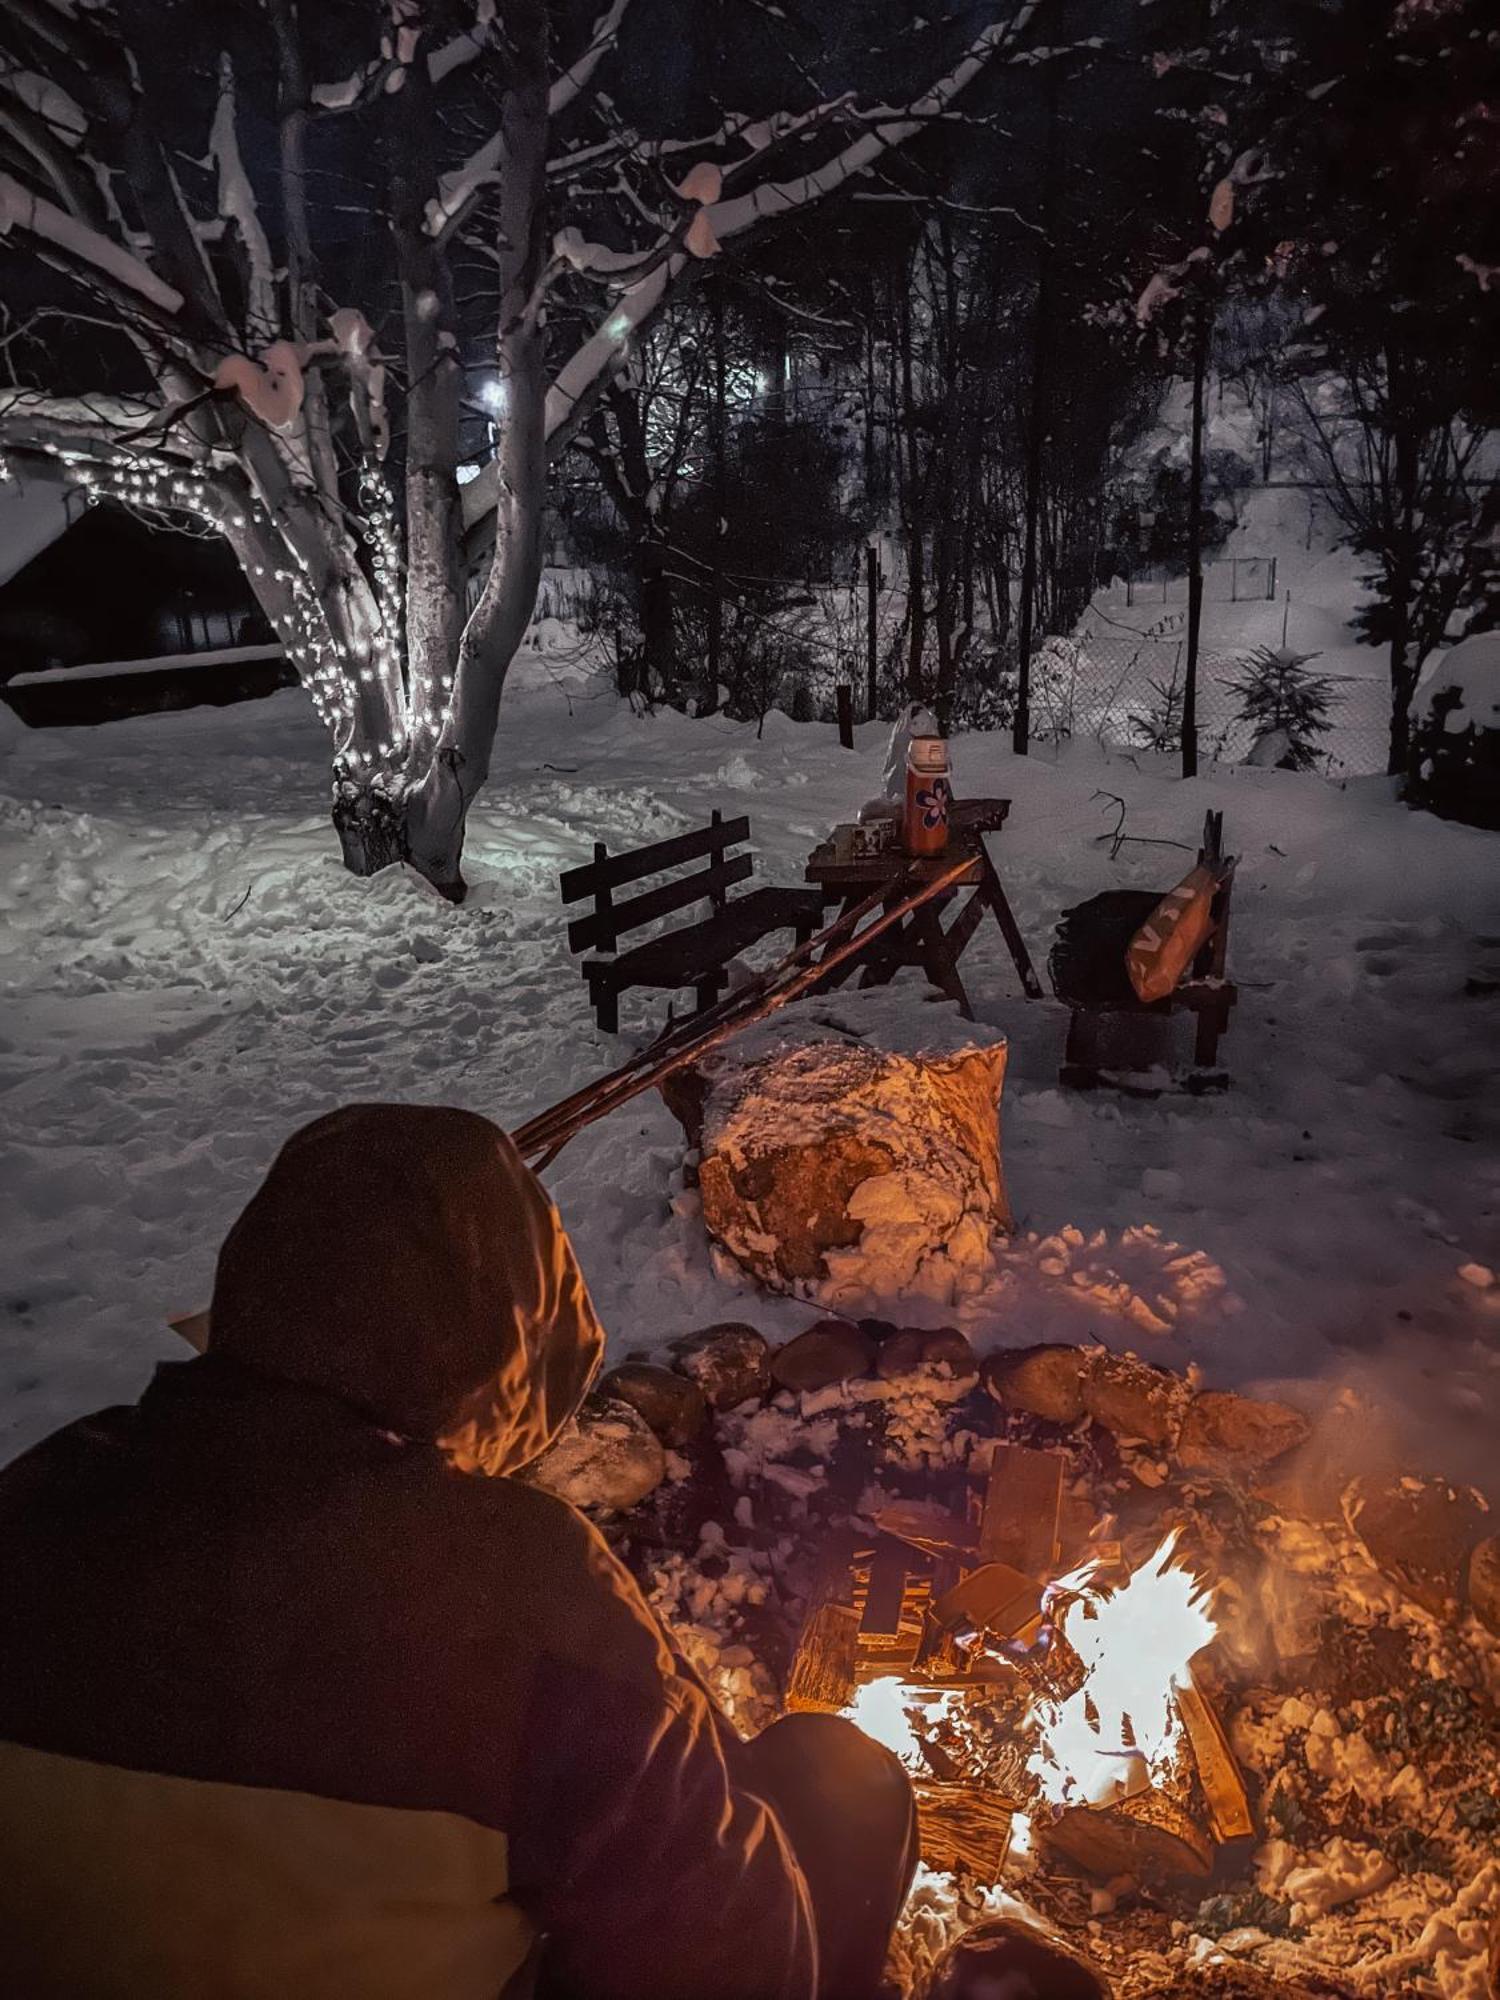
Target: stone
<point x="1484" y="1584"/>
<point x="912" y="1348"/>
<point x="1237" y="1434"/>
<point x="729" y="1361"/>
<point x="672" y="1404"/>
<point x="850" y="1150"/>
<point x="607" y="1458"/>
<point x="831" y="1350"/>
<point x="1420" y="1533"/>
<point x="1044" y="1382"/>
<point x="1005" y="1955"/>
<point x="1131" y="1399"/>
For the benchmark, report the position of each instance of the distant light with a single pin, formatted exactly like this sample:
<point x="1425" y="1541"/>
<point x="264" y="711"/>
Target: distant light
<point x="494" y="396"/>
<point x="618" y="328"/>
<point x="762" y="381"/>
<point x="468" y="472"/>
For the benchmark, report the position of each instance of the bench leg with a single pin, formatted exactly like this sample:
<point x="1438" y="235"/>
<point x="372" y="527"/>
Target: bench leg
<point x="604" y="998"/>
<point x="1212" y="1023"/>
<point x="706" y="992"/>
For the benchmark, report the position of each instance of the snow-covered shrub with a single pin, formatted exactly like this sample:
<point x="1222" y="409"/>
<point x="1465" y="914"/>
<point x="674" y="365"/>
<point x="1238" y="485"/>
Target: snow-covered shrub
<point x="1287" y="707"/>
<point x="1455" y="733"/>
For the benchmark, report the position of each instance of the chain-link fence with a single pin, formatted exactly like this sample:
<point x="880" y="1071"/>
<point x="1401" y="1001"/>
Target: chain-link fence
<point x="1226" y="580"/>
<point x="1126" y="690"/>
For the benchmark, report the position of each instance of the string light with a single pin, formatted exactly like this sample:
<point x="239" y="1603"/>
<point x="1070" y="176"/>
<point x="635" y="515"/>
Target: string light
<point x="416" y="708"/>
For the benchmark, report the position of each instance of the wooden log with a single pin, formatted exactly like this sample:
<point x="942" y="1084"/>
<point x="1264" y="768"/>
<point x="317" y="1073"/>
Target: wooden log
<point x="1218" y="1771"/>
<point x="822" y="1672"/>
<point x="822" y="1675"/>
<point x="1022" y="1510"/>
<point x="1151" y="1836"/>
<point x="886" y="1591"/>
<point x="993" y="1598"/>
<point x="960" y="1827"/>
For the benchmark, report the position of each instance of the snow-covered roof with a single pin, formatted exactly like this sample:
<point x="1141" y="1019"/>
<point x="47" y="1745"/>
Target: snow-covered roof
<point x="1472" y="667"/>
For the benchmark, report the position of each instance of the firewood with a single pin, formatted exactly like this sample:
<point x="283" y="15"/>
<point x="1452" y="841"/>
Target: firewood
<point x="1021" y="1511"/>
<point x="822" y="1675"/>
<point x="928" y="1527"/>
<point x="1151" y="1836"/>
<point x="1218" y="1771"/>
<point x="993" y="1598"/>
<point x="960" y="1826"/>
<point x="822" y="1672"/>
<point x="886" y="1590"/>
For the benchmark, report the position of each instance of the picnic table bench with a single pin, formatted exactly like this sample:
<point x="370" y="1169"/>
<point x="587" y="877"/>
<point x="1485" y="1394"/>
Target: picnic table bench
<point x="698" y="955"/>
<point x="1110" y="1029"/>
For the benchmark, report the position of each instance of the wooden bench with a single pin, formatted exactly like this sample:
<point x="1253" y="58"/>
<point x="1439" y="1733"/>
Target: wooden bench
<point x="1110" y="1029"/>
<point x="698" y="955"/>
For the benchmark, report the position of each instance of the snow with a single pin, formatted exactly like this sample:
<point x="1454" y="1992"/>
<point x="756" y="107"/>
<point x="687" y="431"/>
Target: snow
<point x="101" y="670"/>
<point x="1472" y="670"/>
<point x="187" y="974"/>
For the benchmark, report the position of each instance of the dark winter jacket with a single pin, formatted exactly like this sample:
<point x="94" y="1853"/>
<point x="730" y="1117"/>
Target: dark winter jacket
<point x="294" y="1702"/>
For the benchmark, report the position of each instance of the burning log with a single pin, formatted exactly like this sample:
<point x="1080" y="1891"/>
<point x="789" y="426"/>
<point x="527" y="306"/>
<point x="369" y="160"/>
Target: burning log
<point x="1152" y="1836"/>
<point x="962" y="1827"/>
<point x="1218" y="1772"/>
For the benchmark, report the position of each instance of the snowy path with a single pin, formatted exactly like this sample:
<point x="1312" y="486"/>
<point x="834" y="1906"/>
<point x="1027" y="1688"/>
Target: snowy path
<point x="187" y="974"/>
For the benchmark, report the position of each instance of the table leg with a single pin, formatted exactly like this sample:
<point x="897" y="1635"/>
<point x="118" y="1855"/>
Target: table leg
<point x="1020" y="956"/>
<point x="939" y="959"/>
<point x="880" y="964"/>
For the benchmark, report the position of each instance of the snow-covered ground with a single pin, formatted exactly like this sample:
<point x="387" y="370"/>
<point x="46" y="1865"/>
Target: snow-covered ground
<point x="188" y="974"/>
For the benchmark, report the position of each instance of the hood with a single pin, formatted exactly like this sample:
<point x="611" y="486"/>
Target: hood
<point x="403" y="1258"/>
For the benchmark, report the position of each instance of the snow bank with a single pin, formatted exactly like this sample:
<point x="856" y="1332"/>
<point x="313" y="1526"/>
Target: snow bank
<point x="186" y="974"/>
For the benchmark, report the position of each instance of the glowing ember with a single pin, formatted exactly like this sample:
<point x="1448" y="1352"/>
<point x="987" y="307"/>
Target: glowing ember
<point x="1121" y="1729"/>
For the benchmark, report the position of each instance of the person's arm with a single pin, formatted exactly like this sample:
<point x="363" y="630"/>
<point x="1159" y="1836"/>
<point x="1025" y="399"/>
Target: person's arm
<point x="652" y="1874"/>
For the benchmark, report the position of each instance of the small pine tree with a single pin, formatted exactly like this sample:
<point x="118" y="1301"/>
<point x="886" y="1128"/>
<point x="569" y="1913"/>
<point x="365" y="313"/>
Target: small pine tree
<point x="1159" y="726"/>
<point x="1276" y="692"/>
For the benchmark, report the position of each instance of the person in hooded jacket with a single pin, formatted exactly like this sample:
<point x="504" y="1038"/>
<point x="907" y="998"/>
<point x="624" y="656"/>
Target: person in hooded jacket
<point x="303" y="1695"/>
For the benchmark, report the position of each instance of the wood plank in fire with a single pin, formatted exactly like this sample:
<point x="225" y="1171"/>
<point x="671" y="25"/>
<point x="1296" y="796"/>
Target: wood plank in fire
<point x="1022" y="1507"/>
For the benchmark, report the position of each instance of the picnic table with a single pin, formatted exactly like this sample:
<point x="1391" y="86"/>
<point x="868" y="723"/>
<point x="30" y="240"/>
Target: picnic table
<point x="922" y="939"/>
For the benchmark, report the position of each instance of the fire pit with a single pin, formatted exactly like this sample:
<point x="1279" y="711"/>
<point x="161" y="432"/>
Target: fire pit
<point x="1159" y="1659"/>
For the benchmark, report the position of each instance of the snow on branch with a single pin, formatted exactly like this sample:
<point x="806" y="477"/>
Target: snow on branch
<point x="760" y="204"/>
<point x="237" y="204"/>
<point x="458" y="190"/>
<point x="598" y="358"/>
<point x="575" y="79"/>
<point x="82" y="246"/>
<point x="454" y="54"/>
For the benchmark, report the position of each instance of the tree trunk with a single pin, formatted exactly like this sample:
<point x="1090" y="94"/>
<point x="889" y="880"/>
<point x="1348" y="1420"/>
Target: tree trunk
<point x="438" y="808"/>
<point x="371" y="826"/>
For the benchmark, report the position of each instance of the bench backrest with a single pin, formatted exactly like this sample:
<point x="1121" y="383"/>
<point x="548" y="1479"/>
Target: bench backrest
<point x="601" y="877"/>
<point x="1210" y="960"/>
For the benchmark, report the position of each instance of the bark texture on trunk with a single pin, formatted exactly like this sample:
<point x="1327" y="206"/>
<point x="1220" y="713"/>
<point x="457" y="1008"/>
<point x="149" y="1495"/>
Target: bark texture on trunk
<point x="439" y="805"/>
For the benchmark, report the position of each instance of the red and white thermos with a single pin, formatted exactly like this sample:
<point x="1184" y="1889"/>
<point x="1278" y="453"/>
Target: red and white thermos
<point x="927" y="795"/>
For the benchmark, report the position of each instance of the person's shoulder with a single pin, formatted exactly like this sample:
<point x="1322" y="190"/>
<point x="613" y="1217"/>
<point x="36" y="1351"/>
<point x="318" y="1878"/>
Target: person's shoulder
<point x="577" y="1583"/>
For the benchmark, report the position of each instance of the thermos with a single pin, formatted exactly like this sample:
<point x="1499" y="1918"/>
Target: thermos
<point x="927" y="795"/>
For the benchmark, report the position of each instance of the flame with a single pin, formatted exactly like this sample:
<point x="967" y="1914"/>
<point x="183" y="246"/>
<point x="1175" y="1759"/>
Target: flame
<point x="1120" y="1731"/>
<point x="883" y="1710"/>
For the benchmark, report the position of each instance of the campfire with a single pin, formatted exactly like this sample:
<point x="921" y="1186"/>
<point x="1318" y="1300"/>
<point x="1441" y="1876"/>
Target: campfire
<point x="1209" y="1690"/>
<point x="1030" y="1707"/>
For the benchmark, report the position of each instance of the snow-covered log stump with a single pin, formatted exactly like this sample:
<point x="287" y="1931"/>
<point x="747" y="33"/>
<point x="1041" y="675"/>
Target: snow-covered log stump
<point x="850" y="1148"/>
